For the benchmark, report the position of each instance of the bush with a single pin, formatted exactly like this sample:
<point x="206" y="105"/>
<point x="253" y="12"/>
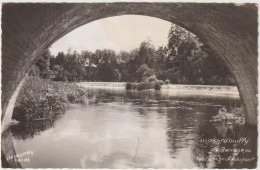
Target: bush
<point x="131" y="86"/>
<point x="140" y="87"/>
<point x="41" y="98"/>
<point x="151" y="79"/>
<point x="34" y="71"/>
<point x="157" y="86"/>
<point x="167" y="81"/>
<point x="134" y="86"/>
<point x="128" y="86"/>
<point x="144" y="86"/>
<point x="234" y="115"/>
<point x="160" y="82"/>
<point x="149" y="83"/>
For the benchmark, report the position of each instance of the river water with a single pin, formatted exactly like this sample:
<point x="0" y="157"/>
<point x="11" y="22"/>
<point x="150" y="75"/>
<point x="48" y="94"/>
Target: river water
<point x="130" y="129"/>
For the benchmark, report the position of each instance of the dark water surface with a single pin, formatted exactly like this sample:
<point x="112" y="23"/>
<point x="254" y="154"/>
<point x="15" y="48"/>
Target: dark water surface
<point x="120" y="129"/>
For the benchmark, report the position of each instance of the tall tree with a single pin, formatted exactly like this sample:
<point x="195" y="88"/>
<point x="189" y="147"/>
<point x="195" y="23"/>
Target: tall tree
<point x="181" y="44"/>
<point x="192" y="62"/>
<point x="106" y="69"/>
<point x="146" y="54"/>
<point x="43" y="63"/>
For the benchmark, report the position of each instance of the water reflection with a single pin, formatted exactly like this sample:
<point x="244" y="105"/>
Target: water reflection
<point x="28" y="129"/>
<point x="119" y="129"/>
<point x="208" y="151"/>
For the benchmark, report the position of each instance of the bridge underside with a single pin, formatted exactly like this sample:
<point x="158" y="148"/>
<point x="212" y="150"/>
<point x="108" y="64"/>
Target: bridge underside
<point x="230" y="30"/>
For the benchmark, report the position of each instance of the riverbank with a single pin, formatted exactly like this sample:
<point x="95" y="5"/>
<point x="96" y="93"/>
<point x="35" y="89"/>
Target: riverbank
<point x="41" y="99"/>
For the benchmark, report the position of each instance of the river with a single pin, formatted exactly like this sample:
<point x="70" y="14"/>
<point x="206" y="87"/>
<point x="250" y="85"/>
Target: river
<point x="131" y="129"/>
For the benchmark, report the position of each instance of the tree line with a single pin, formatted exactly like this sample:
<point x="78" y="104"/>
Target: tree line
<point x="185" y="60"/>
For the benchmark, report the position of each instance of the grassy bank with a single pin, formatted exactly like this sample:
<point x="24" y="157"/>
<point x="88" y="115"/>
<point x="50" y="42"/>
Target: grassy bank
<point x="43" y="99"/>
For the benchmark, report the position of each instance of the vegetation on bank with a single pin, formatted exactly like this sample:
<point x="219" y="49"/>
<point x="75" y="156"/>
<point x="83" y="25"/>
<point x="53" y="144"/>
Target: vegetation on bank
<point x="230" y="116"/>
<point x="147" y="83"/>
<point x="43" y="99"/>
<point x="184" y="60"/>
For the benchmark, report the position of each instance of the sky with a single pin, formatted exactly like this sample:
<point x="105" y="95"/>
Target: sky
<point x="117" y="33"/>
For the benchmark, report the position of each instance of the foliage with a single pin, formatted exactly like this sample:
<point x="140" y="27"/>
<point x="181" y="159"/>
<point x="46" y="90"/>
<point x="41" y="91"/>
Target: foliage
<point x="143" y="72"/>
<point x="151" y="78"/>
<point x="128" y="86"/>
<point x="149" y="83"/>
<point x="185" y="60"/>
<point x="160" y="82"/>
<point x="43" y="63"/>
<point x="157" y="86"/>
<point x="34" y="71"/>
<point x="42" y="99"/>
<point x="144" y="85"/>
<point x="192" y="62"/>
<point x="232" y="116"/>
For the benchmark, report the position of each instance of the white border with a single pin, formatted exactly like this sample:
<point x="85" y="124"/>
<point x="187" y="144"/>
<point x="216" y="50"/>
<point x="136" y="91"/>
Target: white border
<point x="111" y="1"/>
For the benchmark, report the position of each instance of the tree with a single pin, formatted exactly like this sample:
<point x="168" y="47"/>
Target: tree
<point x="89" y="58"/>
<point x="34" y="71"/>
<point x="43" y="63"/>
<point x="181" y="45"/>
<point x="123" y="57"/>
<point x="105" y="72"/>
<point x="106" y="68"/>
<point x="106" y="56"/>
<point x="212" y="69"/>
<point x="128" y="69"/>
<point x="146" y="54"/>
<point x="184" y="60"/>
<point x="60" y="59"/>
<point x="190" y="61"/>
<point x="144" y="72"/>
<point x="160" y="62"/>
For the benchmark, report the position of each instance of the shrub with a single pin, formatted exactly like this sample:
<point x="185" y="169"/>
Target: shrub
<point x="128" y="86"/>
<point x="167" y="81"/>
<point x="157" y="86"/>
<point x="151" y="79"/>
<point x="160" y="82"/>
<point x="144" y="86"/>
<point x="149" y="83"/>
<point x="234" y="115"/>
<point x="134" y="86"/>
<point x="39" y="98"/>
<point x="140" y="87"/>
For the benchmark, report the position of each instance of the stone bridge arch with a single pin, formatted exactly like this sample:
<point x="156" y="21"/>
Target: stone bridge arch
<point x="230" y="30"/>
